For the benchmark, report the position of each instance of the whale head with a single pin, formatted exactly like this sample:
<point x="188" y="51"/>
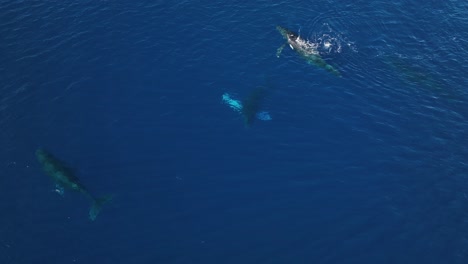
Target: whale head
<point x="287" y="34"/>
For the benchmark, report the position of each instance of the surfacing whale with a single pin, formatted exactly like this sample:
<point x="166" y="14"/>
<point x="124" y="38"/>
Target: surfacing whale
<point x="305" y="49"/>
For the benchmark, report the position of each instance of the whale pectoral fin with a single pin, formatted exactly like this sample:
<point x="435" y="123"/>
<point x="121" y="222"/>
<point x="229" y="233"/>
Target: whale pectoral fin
<point x="263" y="115"/>
<point x="280" y="49"/>
<point x="234" y="104"/>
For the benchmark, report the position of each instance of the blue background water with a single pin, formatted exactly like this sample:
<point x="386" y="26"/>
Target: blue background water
<point x="367" y="168"/>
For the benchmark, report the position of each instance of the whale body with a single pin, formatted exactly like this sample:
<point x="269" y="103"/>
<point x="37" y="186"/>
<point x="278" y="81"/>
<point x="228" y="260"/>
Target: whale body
<point x="305" y="49"/>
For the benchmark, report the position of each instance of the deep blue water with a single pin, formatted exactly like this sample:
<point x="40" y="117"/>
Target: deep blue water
<point x="366" y="168"/>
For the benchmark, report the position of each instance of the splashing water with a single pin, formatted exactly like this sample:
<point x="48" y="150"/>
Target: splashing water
<point x="59" y="189"/>
<point x="329" y="41"/>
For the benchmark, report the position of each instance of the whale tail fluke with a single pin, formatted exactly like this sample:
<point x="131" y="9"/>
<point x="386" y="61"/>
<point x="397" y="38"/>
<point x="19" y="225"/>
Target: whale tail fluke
<point x="97" y="206"/>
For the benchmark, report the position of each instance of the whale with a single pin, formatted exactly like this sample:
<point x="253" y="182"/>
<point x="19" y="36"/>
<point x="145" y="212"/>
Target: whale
<point x="250" y="106"/>
<point x="64" y="177"/>
<point x="307" y="50"/>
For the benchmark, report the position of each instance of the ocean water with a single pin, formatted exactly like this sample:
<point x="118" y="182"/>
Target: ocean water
<point x="369" y="167"/>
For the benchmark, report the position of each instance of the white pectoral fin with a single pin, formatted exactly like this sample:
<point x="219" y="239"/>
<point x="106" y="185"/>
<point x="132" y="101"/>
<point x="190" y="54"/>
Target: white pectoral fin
<point x="234" y="104"/>
<point x="263" y="115"/>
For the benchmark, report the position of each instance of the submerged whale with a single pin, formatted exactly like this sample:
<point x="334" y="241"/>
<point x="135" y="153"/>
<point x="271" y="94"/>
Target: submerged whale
<point x="64" y="177"/>
<point x="250" y="106"/>
<point x="305" y="49"/>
